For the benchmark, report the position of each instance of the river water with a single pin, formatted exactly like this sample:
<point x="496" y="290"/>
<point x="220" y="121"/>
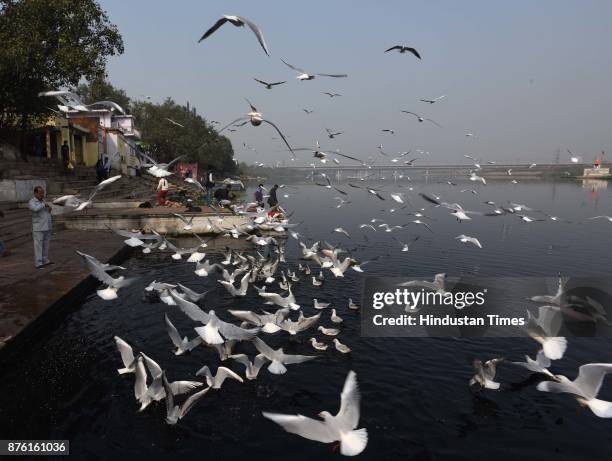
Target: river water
<point x="416" y="402"/>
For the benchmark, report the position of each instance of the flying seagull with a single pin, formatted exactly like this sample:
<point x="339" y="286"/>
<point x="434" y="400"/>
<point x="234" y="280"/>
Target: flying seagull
<point x="403" y="49"/>
<point x="237" y="21"/>
<point x="269" y="85"/>
<point x="421" y="119"/>
<point x="431" y="101"/>
<point x="256" y="117"/>
<point x="339" y="428"/>
<point x="303" y="75"/>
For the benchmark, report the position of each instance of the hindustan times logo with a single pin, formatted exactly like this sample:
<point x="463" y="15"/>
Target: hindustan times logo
<point x="414" y="300"/>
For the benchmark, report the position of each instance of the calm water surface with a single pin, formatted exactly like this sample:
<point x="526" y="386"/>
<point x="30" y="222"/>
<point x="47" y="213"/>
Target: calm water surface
<point x="416" y="401"/>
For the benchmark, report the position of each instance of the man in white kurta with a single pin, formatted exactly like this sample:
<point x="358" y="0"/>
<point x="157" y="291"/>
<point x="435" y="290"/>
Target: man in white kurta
<point x="41" y="227"/>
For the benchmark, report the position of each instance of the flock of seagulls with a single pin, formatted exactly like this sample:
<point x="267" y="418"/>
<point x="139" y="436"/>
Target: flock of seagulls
<point x="238" y="337"/>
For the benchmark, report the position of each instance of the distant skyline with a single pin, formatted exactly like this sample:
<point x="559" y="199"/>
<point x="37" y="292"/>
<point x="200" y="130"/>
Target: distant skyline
<point x="525" y="77"/>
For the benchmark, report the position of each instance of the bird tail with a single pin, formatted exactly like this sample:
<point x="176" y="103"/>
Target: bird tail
<point x="277" y="368"/>
<point x="354" y="442"/>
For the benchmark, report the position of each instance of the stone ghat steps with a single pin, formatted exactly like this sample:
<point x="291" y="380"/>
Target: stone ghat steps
<point x="16" y="227"/>
<point x="48" y="170"/>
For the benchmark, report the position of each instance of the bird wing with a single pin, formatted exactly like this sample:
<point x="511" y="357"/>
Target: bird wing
<point x="408" y="112"/>
<point x="190" y="309"/>
<point x="434" y="122"/>
<point x="262" y="82"/>
<point x="190" y="402"/>
<point x="396" y="47"/>
<point x="257" y="31"/>
<point x="96" y="269"/>
<point x="348" y="156"/>
<point x="303" y="426"/>
<point x="223" y="373"/>
<point x="182" y="387"/>
<point x="414" y="52"/>
<point x="175" y="160"/>
<point x="293" y="67"/>
<point x="290" y="358"/>
<point x="281" y="135"/>
<point x="231" y="123"/>
<point x="264" y="349"/>
<point x="248" y="316"/>
<point x="349" y="402"/>
<point x="127" y="354"/>
<point x="590" y="377"/>
<point x="175" y="337"/>
<point x="140" y="382"/>
<point x="212" y="30"/>
<point x="230" y="331"/>
<point x="334" y="75"/>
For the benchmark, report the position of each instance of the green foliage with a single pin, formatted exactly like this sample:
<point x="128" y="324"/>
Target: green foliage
<point x="49" y="45"/>
<point x="100" y="89"/>
<point x="197" y="140"/>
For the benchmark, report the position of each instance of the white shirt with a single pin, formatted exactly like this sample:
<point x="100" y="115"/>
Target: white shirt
<point x="163" y="184"/>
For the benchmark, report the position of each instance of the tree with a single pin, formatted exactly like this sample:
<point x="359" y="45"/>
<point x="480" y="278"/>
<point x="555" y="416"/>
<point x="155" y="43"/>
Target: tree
<point x="100" y="89"/>
<point x="195" y="139"/>
<point x="49" y="45"/>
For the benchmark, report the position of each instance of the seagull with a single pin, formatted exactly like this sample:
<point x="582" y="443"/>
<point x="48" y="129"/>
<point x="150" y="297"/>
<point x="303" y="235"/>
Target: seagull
<point x="475" y="177"/>
<point x="232" y="290"/>
<point x="187" y="221"/>
<point x="99" y="272"/>
<point x="328" y="331"/>
<point x="256" y="117"/>
<point x="275" y="298"/>
<point x="340" y="230"/>
<point x="317" y="345"/>
<point x="182" y="344"/>
<point x="388" y="131"/>
<point x="339" y="428"/>
<point x="303" y="75"/>
<point x="406" y="246"/>
<point x="331" y="134"/>
<point x="268" y="85"/>
<point x="74" y="202"/>
<point x="269" y="323"/>
<point x="528" y="219"/>
<point x="175" y="412"/>
<point x="431" y="101"/>
<point x="585" y="387"/>
<point x="403" y="49"/>
<point x="316" y="283"/>
<point x="438" y="284"/>
<point x="544" y="329"/>
<point x="341" y="347"/>
<point x="352" y="305"/>
<point x="278" y="358"/>
<point x="609" y="218"/>
<point x="303" y="323"/>
<point x="214" y="327"/>
<point x="318" y="305"/>
<point x="252" y="368"/>
<point x="215" y="382"/>
<point x="421" y="119"/>
<point x="539" y="365"/>
<point x="159" y="170"/>
<point x="485" y="374"/>
<point x="332" y="95"/>
<point x="190" y="294"/>
<point x="175" y="123"/>
<point x="127" y="356"/>
<point x="467" y="239"/>
<point x="556" y="298"/>
<point x="238" y="21"/>
<point x="335" y="318"/>
<point x="308" y="111"/>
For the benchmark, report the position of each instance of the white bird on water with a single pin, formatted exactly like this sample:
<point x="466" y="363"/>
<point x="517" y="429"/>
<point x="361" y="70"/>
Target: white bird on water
<point x="278" y="358"/>
<point x="339" y="428"/>
<point x="318" y="345"/>
<point x="328" y="331"/>
<point x="467" y="239"/>
<point x="585" y="387"/>
<point x="343" y="348"/>
<point x="335" y="317"/>
<point x="485" y="374"/>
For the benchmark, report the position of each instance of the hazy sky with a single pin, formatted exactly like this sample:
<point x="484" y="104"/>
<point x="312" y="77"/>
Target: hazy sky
<point x="526" y="77"/>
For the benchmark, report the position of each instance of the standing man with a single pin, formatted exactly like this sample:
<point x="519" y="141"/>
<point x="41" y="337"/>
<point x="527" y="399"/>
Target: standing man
<point x="65" y="152"/>
<point x="162" y="190"/>
<point x="259" y="193"/>
<point x="209" y="184"/>
<point x="272" y="200"/>
<point x="41" y="227"/>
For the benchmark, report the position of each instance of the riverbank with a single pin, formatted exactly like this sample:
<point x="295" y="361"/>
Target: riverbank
<point x="26" y="293"/>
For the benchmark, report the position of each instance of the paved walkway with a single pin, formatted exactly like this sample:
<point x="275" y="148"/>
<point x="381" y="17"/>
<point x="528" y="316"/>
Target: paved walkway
<point x="26" y="292"/>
